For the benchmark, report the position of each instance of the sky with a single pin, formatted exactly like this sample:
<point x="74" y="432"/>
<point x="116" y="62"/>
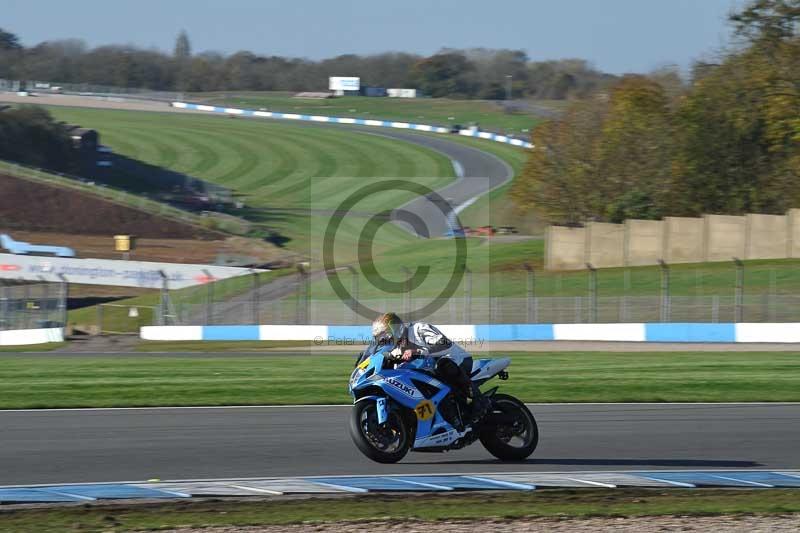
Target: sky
<point x="616" y="36"/>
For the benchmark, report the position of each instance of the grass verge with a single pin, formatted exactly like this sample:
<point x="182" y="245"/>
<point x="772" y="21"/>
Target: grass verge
<point x="549" y="503"/>
<point x="126" y="381"/>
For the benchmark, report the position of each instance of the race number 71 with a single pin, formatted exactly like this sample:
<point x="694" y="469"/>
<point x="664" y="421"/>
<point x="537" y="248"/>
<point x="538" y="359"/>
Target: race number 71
<point x="424" y="409"/>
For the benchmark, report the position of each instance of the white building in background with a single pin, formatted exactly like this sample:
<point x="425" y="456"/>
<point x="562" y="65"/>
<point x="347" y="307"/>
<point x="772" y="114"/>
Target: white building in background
<point x="401" y="93"/>
<point x="341" y="85"/>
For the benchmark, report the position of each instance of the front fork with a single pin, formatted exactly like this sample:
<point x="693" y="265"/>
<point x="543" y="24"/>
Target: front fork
<point x="383" y="410"/>
<point x="381" y="406"/>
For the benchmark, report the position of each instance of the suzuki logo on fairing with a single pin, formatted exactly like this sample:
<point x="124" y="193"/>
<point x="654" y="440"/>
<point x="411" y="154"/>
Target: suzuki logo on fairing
<point x="405" y="389"/>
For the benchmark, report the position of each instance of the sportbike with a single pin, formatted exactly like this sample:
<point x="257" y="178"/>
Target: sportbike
<point x="402" y="407"/>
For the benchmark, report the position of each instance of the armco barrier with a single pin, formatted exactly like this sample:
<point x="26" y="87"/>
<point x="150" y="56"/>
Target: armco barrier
<point x="346" y="120"/>
<point x="470" y="334"/>
<point x="21" y="337"/>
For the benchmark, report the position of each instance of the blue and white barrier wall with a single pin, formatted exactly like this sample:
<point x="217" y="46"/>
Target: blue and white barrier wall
<point x="468" y="334"/>
<point x="346" y="120"/>
<point x="22" y="337"/>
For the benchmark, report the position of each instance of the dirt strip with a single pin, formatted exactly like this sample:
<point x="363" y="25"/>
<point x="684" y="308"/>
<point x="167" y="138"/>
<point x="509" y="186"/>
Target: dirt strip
<point x="726" y="524"/>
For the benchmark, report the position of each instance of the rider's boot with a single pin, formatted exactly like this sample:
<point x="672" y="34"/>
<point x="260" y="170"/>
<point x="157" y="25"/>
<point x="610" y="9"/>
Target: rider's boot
<point x="479" y="405"/>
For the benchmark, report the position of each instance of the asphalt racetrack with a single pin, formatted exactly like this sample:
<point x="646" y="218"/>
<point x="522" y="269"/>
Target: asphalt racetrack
<point x="55" y="446"/>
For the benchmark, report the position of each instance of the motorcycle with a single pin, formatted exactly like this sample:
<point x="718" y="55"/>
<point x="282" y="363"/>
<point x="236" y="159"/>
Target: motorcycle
<point x="401" y="407"/>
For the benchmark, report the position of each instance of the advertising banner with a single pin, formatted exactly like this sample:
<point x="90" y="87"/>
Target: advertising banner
<point x="113" y="272"/>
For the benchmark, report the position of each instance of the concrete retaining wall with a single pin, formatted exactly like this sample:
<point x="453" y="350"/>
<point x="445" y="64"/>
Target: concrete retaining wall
<point x="605" y="244"/>
<point x="467" y="334"/>
<point x="644" y="242"/>
<point x="793" y="228"/>
<point x="565" y="248"/>
<point x="767" y="237"/>
<point x="23" y="337"/>
<point x="725" y="237"/>
<point x="675" y="240"/>
<point x="684" y="240"/>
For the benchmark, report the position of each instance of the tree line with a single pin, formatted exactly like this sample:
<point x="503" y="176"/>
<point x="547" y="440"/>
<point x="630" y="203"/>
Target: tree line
<point x="472" y="73"/>
<point x="727" y="143"/>
<point x="29" y="135"/>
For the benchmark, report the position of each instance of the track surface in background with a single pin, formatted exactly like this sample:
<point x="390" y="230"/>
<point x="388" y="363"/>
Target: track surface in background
<point x="113" y="445"/>
<point x="378" y="153"/>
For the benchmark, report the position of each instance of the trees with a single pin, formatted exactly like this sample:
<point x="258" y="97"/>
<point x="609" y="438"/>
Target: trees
<point x="559" y="180"/>
<point x="608" y="158"/>
<point x="30" y="135"/>
<point x="471" y="73"/>
<point x="740" y="135"/>
<point x="729" y="143"/>
<point x="183" y="49"/>
<point x="635" y="150"/>
<point x="444" y="74"/>
<point x="9" y="41"/>
<point x="767" y="22"/>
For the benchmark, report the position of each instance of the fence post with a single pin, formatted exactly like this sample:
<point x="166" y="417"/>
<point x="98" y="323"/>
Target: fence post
<point x="63" y="299"/>
<point x="715" y="308"/>
<point x="44" y="304"/>
<point x="739" y="291"/>
<point x="407" y="293"/>
<point x="664" y="290"/>
<point x="4" y="302"/>
<point x="531" y="300"/>
<point x="354" y="292"/>
<point x="626" y="287"/>
<point x="468" y="294"/>
<point x="255" y="301"/>
<point x="164" y="300"/>
<point x="26" y="296"/>
<point x="772" y="291"/>
<point x="302" y="295"/>
<point x="209" y="297"/>
<point x="592" y="293"/>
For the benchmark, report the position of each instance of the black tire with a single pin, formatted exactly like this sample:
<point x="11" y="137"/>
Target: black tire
<point x="370" y="439"/>
<point x="497" y="439"/>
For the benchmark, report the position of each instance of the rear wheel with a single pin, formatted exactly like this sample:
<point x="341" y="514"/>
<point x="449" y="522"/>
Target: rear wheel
<point x="511" y="433"/>
<point x="385" y="443"/>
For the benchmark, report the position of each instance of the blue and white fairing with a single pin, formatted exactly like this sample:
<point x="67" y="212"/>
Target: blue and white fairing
<point x="370" y="378"/>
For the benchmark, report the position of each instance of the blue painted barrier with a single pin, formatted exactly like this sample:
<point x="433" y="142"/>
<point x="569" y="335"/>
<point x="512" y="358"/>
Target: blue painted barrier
<point x="471" y="333"/>
<point x="690" y="332"/>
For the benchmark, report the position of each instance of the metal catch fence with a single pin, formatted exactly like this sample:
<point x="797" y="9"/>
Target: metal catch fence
<point x="28" y="305"/>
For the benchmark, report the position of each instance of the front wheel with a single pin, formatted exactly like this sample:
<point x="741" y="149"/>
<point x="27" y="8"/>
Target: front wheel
<point x="384" y="443"/>
<point x="511" y="433"/>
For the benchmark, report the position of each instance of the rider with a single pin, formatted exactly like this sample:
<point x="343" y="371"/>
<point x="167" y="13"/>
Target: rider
<point x="419" y="339"/>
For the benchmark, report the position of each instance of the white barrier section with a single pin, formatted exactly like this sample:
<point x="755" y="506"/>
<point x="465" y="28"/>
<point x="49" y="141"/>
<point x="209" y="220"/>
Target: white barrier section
<point x="348" y="120"/>
<point x="292" y="333"/>
<point x="172" y="333"/>
<point x="23" y="337"/>
<point x="753" y="332"/>
<point x="458" y="332"/>
<point x="468" y="333"/>
<point x="599" y="332"/>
